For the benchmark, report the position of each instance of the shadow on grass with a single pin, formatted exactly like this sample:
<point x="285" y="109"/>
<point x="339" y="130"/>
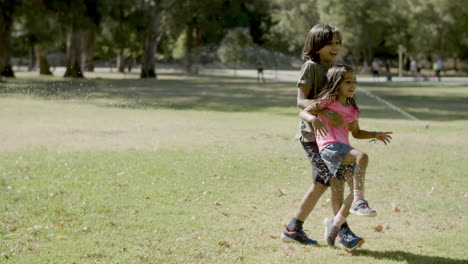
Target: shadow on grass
<point x="235" y="94"/>
<point x="408" y="257"/>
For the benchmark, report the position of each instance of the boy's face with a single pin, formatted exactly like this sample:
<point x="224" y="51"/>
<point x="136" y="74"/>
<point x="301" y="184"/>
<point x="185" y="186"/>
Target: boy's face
<point x="329" y="52"/>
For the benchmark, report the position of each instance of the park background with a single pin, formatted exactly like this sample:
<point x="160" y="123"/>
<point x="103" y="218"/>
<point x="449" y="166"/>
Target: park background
<point x="138" y="132"/>
<point x="80" y="35"/>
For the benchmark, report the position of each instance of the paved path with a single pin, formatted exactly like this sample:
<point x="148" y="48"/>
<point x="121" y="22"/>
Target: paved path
<point x="292" y="76"/>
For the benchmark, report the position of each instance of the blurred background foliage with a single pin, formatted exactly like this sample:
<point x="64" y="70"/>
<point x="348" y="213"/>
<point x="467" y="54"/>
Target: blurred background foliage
<point x="82" y="34"/>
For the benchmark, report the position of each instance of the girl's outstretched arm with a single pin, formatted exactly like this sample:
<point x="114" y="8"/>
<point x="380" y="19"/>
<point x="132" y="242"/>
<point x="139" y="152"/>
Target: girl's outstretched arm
<point x="385" y="137"/>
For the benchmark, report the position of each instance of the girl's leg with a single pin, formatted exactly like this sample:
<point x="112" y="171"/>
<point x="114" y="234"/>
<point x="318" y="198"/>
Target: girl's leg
<point x="335" y="226"/>
<point x="361" y="160"/>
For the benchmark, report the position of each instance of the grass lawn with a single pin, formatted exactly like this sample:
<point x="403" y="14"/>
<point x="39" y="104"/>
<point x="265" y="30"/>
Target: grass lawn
<point x="205" y="170"/>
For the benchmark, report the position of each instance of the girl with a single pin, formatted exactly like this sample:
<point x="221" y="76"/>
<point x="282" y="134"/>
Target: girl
<point x="335" y="150"/>
<point x="321" y="48"/>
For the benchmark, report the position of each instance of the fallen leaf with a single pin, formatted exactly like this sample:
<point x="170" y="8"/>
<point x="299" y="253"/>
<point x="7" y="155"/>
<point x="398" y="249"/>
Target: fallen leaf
<point x="274" y="235"/>
<point x="281" y="192"/>
<point x="212" y="175"/>
<point x="224" y="244"/>
<point x="379" y="229"/>
<point x="218" y="203"/>
<point x="199" y="255"/>
<point x="225" y="214"/>
<point x="432" y="190"/>
<point x="289" y="251"/>
<point x="396" y="210"/>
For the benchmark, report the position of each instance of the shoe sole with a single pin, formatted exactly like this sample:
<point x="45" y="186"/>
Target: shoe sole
<point x="351" y="249"/>
<point x="325" y="237"/>
<point x="366" y="215"/>
<point x="286" y="239"/>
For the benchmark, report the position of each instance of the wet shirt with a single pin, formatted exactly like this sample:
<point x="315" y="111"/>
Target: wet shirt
<point x="314" y="76"/>
<point x="341" y="134"/>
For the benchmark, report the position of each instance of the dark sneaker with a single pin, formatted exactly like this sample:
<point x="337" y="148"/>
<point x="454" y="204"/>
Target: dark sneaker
<point x="348" y="240"/>
<point x="331" y="231"/>
<point x="361" y="207"/>
<point x="299" y="237"/>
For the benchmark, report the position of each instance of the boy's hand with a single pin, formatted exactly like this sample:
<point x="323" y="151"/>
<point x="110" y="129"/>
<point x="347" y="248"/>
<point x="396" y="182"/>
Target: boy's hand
<point x="335" y="119"/>
<point x="383" y="136"/>
<point x="319" y="127"/>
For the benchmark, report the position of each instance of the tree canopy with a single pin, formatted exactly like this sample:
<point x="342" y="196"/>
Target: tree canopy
<point x="193" y="32"/>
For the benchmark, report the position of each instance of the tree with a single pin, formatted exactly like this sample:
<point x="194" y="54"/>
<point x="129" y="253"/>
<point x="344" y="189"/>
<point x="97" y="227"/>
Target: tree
<point x="151" y="38"/>
<point x="37" y="32"/>
<point x="234" y="48"/>
<point x="364" y="29"/>
<point x="81" y="18"/>
<point x="292" y="19"/>
<point x="7" y="9"/>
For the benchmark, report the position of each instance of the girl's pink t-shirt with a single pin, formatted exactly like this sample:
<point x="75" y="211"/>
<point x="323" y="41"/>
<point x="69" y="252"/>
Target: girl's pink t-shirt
<point x="341" y="134"/>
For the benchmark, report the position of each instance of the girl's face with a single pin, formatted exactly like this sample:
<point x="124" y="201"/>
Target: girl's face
<point x="329" y="52"/>
<point x="348" y="85"/>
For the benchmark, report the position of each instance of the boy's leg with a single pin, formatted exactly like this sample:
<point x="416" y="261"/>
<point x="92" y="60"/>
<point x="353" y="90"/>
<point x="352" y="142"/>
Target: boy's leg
<point x="293" y="232"/>
<point x="309" y="201"/>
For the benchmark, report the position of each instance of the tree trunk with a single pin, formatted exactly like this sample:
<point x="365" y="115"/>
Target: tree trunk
<point x="41" y="59"/>
<point x="151" y="41"/>
<point x="88" y="50"/>
<point x="5" y="37"/>
<point x="121" y="61"/>
<point x="32" y="58"/>
<point x="74" y="52"/>
<point x="189" y="48"/>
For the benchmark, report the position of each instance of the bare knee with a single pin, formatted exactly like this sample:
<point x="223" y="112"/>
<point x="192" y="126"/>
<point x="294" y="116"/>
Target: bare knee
<point x="362" y="158"/>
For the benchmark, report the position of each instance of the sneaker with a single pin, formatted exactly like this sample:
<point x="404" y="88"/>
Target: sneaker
<point x="348" y="240"/>
<point x="331" y="231"/>
<point x="361" y="207"/>
<point x="299" y="236"/>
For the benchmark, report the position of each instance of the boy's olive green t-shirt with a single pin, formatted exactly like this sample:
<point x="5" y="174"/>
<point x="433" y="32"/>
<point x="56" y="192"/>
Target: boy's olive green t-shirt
<point x="314" y="76"/>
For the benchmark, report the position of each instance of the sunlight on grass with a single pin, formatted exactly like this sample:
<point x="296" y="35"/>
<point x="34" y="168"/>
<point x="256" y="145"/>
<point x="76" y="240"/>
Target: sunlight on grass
<point x="125" y="171"/>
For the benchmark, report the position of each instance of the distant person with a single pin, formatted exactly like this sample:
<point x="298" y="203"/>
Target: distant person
<point x="341" y="159"/>
<point x="375" y="68"/>
<point x="349" y="60"/>
<point x="388" y="67"/>
<point x="321" y="48"/>
<point x="414" y="68"/>
<point x="437" y="68"/>
<point x="259" y="63"/>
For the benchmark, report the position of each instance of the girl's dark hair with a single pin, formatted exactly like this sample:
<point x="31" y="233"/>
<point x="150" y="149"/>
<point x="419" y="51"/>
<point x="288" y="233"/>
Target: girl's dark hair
<point x="331" y="90"/>
<point x="319" y="36"/>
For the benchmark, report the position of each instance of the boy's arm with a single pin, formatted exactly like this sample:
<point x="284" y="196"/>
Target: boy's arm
<point x="313" y="107"/>
<point x="363" y="134"/>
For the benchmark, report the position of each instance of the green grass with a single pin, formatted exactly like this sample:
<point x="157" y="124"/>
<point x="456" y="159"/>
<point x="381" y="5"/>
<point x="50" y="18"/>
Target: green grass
<point x="189" y="170"/>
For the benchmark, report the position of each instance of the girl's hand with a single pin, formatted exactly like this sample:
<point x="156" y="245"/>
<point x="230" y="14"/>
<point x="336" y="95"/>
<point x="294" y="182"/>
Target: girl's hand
<point x="319" y="127"/>
<point x="383" y="136"/>
<point x="335" y="119"/>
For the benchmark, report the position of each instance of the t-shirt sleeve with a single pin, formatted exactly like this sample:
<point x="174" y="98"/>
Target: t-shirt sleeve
<point x="308" y="73"/>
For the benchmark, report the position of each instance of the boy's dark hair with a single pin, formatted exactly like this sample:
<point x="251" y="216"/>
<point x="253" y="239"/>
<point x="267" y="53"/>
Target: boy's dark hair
<point x="319" y="36"/>
<point x="335" y="76"/>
